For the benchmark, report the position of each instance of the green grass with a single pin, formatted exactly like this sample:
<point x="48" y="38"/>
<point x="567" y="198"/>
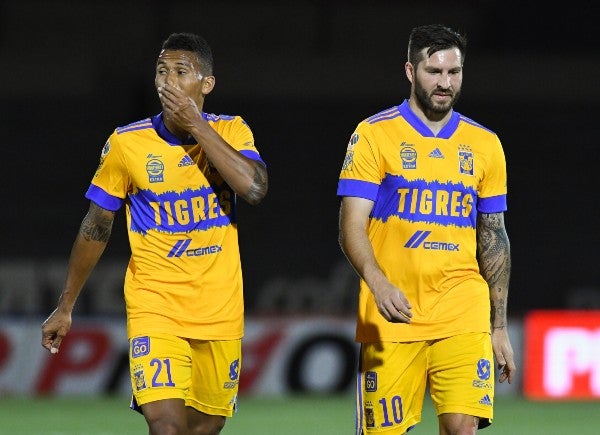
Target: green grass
<point x="281" y="416"/>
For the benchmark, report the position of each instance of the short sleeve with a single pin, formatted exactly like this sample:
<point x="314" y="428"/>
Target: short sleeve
<point x="493" y="188"/>
<point x="360" y="175"/>
<point x="111" y="182"/>
<point x="241" y="138"/>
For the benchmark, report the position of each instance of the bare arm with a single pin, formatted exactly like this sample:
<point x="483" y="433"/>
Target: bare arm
<point x="87" y="249"/>
<point x="248" y="178"/>
<point x="355" y="244"/>
<point x="493" y="249"/>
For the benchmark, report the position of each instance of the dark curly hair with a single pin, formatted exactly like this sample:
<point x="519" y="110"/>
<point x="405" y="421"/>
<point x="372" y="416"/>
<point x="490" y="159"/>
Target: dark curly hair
<point x="195" y="44"/>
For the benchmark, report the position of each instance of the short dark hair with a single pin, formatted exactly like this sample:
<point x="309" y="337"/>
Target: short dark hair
<point x="194" y="43"/>
<point x="435" y="37"/>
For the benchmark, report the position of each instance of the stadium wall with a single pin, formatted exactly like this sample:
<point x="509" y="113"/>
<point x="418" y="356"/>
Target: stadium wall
<point x="290" y="355"/>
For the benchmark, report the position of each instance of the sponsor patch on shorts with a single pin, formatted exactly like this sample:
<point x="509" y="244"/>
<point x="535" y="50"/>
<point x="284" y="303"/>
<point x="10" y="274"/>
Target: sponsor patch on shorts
<point x="371" y="381"/>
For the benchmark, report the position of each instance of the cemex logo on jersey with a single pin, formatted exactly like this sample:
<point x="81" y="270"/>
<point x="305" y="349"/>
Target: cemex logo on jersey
<point x="418" y="240"/>
<point x="181" y="247"/>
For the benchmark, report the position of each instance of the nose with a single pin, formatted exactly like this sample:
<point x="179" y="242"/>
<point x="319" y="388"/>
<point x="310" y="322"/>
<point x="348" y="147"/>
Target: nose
<point x="171" y="78"/>
<point x="167" y="77"/>
<point x="444" y="81"/>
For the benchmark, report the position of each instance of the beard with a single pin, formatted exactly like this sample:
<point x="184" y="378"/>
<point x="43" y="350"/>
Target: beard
<point x="425" y="100"/>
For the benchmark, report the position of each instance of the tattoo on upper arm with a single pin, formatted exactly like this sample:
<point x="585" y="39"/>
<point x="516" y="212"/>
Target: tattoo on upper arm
<point x="493" y="254"/>
<point x="259" y="187"/>
<point x="97" y="224"/>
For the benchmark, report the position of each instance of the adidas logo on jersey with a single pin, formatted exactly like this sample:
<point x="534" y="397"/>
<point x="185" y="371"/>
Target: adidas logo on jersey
<point x="485" y="400"/>
<point x="436" y="154"/>
<point x="186" y="161"/>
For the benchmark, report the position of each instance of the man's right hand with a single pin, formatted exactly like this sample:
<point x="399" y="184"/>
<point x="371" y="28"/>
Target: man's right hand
<point x="392" y="304"/>
<point x="54" y="329"/>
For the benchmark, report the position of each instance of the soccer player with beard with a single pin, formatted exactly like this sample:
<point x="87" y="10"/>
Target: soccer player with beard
<point x="423" y="194"/>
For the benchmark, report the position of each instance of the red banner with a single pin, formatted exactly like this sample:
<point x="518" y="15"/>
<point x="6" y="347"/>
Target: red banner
<point x="562" y="355"/>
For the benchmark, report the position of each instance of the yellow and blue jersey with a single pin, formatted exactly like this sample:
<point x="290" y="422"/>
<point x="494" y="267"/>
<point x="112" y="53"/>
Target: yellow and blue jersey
<point x="184" y="276"/>
<point x="427" y="190"/>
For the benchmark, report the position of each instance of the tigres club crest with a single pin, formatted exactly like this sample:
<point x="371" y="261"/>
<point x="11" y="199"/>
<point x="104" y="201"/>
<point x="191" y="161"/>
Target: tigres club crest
<point x="466" y="161"/>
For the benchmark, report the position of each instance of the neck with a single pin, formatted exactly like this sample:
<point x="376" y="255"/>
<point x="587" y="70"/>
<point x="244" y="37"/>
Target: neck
<point x="175" y="130"/>
<point x="434" y="120"/>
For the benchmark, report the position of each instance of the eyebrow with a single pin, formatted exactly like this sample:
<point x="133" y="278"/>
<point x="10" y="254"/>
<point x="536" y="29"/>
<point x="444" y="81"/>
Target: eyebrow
<point x="179" y="62"/>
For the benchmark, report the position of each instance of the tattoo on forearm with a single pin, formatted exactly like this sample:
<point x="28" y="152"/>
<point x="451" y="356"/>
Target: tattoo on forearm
<point x="95" y="226"/>
<point x="494" y="263"/>
<point x="498" y="311"/>
<point x="259" y="186"/>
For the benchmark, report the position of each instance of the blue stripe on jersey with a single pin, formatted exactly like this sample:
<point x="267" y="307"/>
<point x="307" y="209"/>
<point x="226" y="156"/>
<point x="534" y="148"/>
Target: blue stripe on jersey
<point x="214" y="118"/>
<point x="139" y="125"/>
<point x="359" y="188"/>
<point x="383" y="115"/>
<point x="174" y="212"/>
<point x="476" y="124"/>
<point x="141" y="121"/>
<point x="429" y="202"/>
<point x="103" y="199"/>
<point x="493" y="204"/>
<point x="252" y="155"/>
<point x="166" y="135"/>
<point x="446" y="132"/>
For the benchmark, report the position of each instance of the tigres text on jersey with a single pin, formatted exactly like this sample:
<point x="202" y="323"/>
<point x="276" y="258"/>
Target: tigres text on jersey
<point x="427" y="190"/>
<point x="184" y="276"/>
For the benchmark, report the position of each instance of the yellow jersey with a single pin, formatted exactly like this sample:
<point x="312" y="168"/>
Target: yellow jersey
<point x="427" y="190"/>
<point x="184" y="276"/>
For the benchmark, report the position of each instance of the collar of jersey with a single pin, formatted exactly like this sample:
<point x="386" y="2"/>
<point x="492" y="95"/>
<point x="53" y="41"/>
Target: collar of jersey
<point x="420" y="126"/>
<point x="167" y="136"/>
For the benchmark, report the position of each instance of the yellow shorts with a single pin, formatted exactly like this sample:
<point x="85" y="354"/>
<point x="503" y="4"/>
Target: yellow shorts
<point x="205" y="374"/>
<point x="393" y="377"/>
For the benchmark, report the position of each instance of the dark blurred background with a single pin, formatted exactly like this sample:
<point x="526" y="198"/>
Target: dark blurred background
<point x="303" y="74"/>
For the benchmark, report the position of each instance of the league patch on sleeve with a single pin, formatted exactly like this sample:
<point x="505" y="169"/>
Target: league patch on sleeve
<point x="105" y="149"/>
<point x="140" y="346"/>
<point x="349" y="159"/>
<point x="353" y="139"/>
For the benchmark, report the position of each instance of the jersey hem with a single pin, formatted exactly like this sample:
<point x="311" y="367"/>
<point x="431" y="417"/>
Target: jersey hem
<point x="392" y="339"/>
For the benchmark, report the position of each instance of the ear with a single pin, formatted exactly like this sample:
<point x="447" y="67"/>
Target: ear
<point x="409" y="69"/>
<point x="208" y="84"/>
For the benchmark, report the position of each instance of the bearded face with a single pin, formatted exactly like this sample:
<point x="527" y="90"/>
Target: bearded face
<point x="437" y="80"/>
<point x="438" y="100"/>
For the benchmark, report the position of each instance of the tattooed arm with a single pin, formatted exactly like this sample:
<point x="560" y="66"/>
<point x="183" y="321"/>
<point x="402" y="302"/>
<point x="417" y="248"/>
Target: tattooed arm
<point x="88" y="248"/>
<point x="493" y="255"/>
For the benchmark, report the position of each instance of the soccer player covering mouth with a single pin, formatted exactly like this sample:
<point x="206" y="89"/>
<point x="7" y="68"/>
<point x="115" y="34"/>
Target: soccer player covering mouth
<point x="178" y="174"/>
<point x="423" y="194"/>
